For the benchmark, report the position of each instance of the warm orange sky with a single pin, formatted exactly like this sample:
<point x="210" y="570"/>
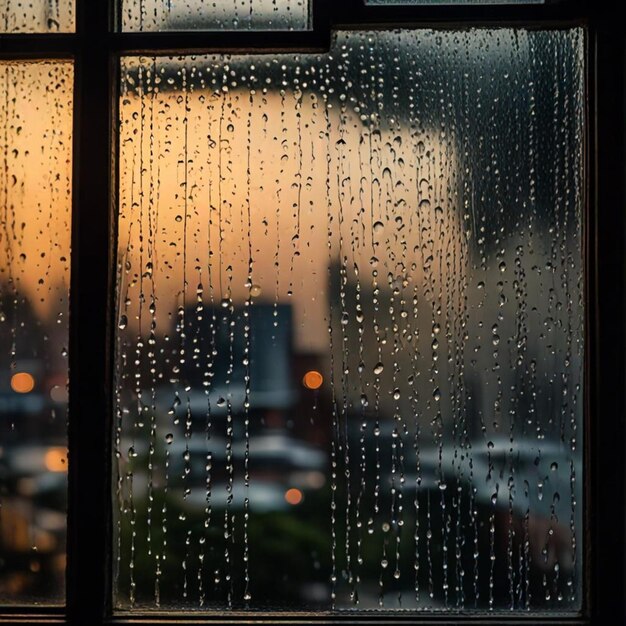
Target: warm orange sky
<point x="36" y="139"/>
<point x="38" y="126"/>
<point x="282" y="183"/>
<point x="37" y="16"/>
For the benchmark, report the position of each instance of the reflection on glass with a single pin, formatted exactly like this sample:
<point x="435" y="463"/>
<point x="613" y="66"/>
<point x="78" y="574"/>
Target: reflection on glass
<point x="37" y="16"/>
<point x="157" y="15"/>
<point x="350" y="326"/>
<point x="35" y="199"/>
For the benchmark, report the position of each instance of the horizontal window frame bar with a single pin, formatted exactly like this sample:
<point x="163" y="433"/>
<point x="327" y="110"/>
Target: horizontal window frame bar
<point x="216" y="42"/>
<point x="219" y="41"/>
<point x="32" y="614"/>
<point x="38" y="46"/>
<point x="18" y="620"/>
<point x="348" y="617"/>
<point x="183" y="44"/>
<point x="39" y="614"/>
<point x="328" y="16"/>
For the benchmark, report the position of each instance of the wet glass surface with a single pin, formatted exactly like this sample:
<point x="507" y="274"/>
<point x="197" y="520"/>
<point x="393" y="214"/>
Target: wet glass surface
<point x="37" y="16"/>
<point x="228" y="15"/>
<point x="350" y="326"/>
<point x="35" y="204"/>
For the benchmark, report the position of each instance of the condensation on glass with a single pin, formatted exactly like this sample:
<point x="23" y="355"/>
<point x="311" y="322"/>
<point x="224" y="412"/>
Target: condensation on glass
<point x="350" y="326"/>
<point x="37" y="16"/>
<point x="228" y="15"/>
<point x="35" y="205"/>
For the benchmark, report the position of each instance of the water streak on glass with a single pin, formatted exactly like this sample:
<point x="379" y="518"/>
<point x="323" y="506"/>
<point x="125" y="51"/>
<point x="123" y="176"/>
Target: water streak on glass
<point x="35" y="205"/>
<point x="350" y="326"/>
<point x="228" y="15"/>
<point x="37" y="16"/>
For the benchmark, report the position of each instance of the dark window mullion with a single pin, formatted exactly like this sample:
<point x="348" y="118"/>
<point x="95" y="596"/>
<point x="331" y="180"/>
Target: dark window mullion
<point x="605" y="480"/>
<point x="199" y="42"/>
<point x="89" y="532"/>
<point x="27" y="46"/>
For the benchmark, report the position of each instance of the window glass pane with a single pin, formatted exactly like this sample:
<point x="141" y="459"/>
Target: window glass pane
<point x="350" y="342"/>
<point x="37" y="16"/>
<point x="157" y="15"/>
<point x="35" y="199"/>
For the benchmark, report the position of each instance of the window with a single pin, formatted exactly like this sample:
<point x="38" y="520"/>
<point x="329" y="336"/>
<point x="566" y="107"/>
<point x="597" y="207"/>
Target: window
<point x="428" y="309"/>
<point x="191" y="15"/>
<point x="345" y="319"/>
<point x="56" y="16"/>
<point x="36" y="114"/>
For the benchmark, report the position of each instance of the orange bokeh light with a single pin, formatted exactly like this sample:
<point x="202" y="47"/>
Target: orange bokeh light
<point x="312" y="380"/>
<point x="293" y="496"/>
<point x="56" y="460"/>
<point x="22" y="382"/>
